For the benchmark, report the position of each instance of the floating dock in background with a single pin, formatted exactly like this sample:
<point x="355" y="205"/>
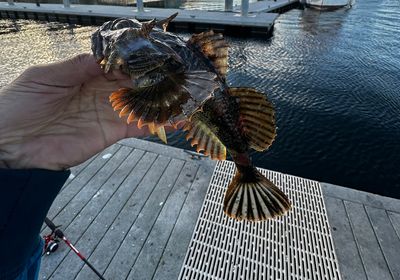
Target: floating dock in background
<point x="232" y="23"/>
<point x="270" y="6"/>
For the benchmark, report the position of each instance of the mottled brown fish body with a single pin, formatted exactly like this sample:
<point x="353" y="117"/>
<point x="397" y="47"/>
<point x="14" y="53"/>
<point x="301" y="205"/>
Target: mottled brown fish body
<point x="176" y="80"/>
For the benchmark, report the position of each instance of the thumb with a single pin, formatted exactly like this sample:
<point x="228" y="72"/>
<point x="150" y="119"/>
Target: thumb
<point x="71" y="72"/>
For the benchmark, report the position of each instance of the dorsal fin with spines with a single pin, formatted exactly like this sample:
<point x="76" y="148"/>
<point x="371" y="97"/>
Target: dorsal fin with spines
<point x="214" y="47"/>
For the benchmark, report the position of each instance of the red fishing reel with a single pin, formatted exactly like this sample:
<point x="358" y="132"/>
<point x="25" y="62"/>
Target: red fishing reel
<point x="51" y="242"/>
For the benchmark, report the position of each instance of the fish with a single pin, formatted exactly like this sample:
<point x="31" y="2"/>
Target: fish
<point x="176" y="80"/>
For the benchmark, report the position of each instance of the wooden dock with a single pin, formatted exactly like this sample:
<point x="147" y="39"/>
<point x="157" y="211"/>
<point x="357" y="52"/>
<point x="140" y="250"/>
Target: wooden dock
<point x="269" y="6"/>
<point x="133" y="208"/>
<point x="189" y="20"/>
<point x="366" y="233"/>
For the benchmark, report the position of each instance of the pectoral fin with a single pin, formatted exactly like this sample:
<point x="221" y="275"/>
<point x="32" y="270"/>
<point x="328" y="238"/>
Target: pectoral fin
<point x="157" y="103"/>
<point x="257" y="116"/>
<point x="154" y="106"/>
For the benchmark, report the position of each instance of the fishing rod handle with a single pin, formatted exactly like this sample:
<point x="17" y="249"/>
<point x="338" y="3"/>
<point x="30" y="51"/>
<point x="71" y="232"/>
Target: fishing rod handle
<point x="53" y="228"/>
<point x="50" y="224"/>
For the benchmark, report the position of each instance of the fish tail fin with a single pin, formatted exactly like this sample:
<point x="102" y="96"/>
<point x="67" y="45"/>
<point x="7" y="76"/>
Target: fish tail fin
<point x="251" y="196"/>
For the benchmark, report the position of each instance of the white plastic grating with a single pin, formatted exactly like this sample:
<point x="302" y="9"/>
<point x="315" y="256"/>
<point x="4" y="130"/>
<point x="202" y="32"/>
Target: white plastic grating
<point x="296" y="246"/>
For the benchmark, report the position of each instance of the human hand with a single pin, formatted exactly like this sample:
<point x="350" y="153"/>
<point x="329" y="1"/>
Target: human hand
<point x="58" y="115"/>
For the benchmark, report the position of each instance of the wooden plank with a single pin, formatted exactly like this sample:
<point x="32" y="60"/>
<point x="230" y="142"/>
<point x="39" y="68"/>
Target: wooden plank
<point x="65" y="196"/>
<point x="84" y="195"/>
<point x="78" y="203"/>
<point x="71" y="188"/>
<point x="101" y="224"/>
<point x="153" y="248"/>
<point x="163" y="150"/>
<point x="266" y="5"/>
<point x="387" y="238"/>
<point x="365" y="198"/>
<point x="76" y="170"/>
<point x="374" y="262"/>
<point x="128" y="251"/>
<point x="173" y="256"/>
<point x="395" y="220"/>
<point x="185" y="16"/>
<point x="142" y="184"/>
<point x="350" y="263"/>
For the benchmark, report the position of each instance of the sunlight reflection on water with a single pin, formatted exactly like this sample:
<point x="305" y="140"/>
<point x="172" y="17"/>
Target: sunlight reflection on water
<point x="334" y="78"/>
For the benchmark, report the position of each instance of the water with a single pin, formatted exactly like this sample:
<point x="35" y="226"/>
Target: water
<point x="334" y="78"/>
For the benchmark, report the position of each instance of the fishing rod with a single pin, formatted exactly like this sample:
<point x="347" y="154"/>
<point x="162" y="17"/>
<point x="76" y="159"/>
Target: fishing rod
<point x="51" y="244"/>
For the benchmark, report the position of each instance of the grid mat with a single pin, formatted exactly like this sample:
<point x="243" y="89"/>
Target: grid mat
<point x="296" y="246"/>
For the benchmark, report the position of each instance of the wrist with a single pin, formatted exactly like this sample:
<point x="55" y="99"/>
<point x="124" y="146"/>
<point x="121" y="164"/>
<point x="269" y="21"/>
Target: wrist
<point x="9" y="158"/>
<point x="20" y="156"/>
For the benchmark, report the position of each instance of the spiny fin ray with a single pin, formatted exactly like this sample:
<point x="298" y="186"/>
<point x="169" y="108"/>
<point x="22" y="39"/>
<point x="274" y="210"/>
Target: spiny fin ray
<point x="154" y="106"/>
<point x="257" y="116"/>
<point x="214" y="47"/>
<point x="204" y="138"/>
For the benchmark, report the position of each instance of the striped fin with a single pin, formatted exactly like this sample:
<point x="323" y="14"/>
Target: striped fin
<point x="214" y="47"/>
<point x="251" y="196"/>
<point x="204" y="138"/>
<point x="156" y="103"/>
<point x="257" y="116"/>
<point x="154" y="106"/>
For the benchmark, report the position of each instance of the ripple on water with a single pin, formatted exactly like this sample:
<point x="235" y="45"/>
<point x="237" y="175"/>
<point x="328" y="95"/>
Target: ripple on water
<point x="334" y="78"/>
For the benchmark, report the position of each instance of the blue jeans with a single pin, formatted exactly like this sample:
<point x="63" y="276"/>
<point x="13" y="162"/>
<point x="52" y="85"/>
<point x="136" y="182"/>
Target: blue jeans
<point x="31" y="270"/>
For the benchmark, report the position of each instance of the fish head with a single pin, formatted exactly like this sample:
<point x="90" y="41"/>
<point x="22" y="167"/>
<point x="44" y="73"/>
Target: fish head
<point x="137" y="54"/>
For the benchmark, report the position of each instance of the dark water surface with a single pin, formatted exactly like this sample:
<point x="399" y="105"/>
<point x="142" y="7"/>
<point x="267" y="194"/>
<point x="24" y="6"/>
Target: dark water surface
<point x="334" y="78"/>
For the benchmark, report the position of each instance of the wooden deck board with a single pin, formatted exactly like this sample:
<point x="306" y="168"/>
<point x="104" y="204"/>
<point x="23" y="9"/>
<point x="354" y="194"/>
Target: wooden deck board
<point x="67" y="194"/>
<point x="137" y="188"/>
<point x="374" y="221"/>
<point x="81" y="196"/>
<point x="174" y="253"/>
<point x="184" y="16"/>
<point x="265" y="5"/>
<point x="387" y="238"/>
<point x="133" y="215"/>
<point x="115" y="203"/>
<point x="150" y="255"/>
<point x="78" y="216"/>
<point x="346" y="248"/>
<point x="364" y="198"/>
<point x="75" y="205"/>
<point x="371" y="254"/>
<point x="97" y="216"/>
<point x="395" y="220"/>
<point x="120" y="265"/>
<point x="76" y="170"/>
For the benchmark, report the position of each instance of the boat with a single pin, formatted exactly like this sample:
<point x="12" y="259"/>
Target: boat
<point x="328" y="4"/>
